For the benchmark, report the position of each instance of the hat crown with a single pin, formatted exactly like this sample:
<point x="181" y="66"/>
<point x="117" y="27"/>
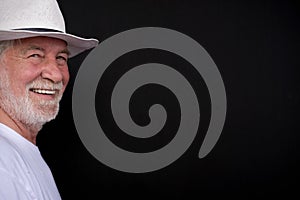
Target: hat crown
<point x="24" y="14"/>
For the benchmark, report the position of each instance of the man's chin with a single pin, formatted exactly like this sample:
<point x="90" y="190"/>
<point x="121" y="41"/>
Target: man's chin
<point x="37" y="125"/>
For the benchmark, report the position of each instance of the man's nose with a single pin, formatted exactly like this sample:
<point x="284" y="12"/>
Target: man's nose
<point x="51" y="71"/>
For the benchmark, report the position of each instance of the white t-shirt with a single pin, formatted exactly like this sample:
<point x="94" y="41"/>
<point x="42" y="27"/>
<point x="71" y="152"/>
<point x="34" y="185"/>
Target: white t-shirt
<point x="24" y="175"/>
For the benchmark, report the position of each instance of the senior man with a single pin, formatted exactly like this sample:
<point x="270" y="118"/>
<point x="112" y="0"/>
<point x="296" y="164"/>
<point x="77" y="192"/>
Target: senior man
<point x="34" y="50"/>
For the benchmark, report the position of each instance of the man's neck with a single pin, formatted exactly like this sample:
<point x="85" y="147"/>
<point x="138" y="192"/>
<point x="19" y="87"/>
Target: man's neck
<point x="28" y="133"/>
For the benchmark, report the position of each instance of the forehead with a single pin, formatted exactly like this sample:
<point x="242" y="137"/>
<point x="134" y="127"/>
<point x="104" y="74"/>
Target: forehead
<point x="44" y="42"/>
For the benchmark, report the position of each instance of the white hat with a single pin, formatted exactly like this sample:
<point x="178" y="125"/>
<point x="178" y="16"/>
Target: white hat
<point x="30" y="18"/>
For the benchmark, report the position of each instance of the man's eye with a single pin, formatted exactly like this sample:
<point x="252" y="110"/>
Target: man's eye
<point x="62" y="58"/>
<point x="35" y="56"/>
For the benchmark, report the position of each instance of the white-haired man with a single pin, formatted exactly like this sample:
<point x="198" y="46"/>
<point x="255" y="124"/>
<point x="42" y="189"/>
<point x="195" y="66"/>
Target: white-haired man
<point x="34" y="50"/>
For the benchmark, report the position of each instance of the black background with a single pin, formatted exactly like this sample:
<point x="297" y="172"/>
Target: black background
<point x="255" y="45"/>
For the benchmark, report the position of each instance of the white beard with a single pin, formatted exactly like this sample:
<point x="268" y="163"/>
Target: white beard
<point x="23" y="108"/>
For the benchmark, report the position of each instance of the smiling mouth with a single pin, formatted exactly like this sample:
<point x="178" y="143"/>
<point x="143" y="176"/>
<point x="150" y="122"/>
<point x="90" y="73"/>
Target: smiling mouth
<point x="43" y="91"/>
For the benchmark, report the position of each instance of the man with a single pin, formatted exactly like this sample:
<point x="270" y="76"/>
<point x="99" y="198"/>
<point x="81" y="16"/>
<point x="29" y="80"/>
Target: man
<point x="34" y="50"/>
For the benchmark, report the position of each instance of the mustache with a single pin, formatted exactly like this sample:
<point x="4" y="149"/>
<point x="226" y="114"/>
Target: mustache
<point x="45" y="84"/>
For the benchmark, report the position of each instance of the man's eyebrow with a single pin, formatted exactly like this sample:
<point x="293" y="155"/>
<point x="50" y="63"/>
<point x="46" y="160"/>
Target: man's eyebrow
<point x="32" y="47"/>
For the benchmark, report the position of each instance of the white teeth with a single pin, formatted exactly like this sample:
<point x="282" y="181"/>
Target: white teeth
<point x="40" y="91"/>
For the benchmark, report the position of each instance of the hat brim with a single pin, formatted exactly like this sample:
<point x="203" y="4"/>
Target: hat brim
<point x="75" y="44"/>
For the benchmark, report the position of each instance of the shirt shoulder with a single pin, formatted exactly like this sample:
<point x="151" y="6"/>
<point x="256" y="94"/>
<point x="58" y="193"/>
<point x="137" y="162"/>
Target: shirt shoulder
<point x="10" y="156"/>
<point x="13" y="172"/>
<point x="24" y="168"/>
<point x="12" y="188"/>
